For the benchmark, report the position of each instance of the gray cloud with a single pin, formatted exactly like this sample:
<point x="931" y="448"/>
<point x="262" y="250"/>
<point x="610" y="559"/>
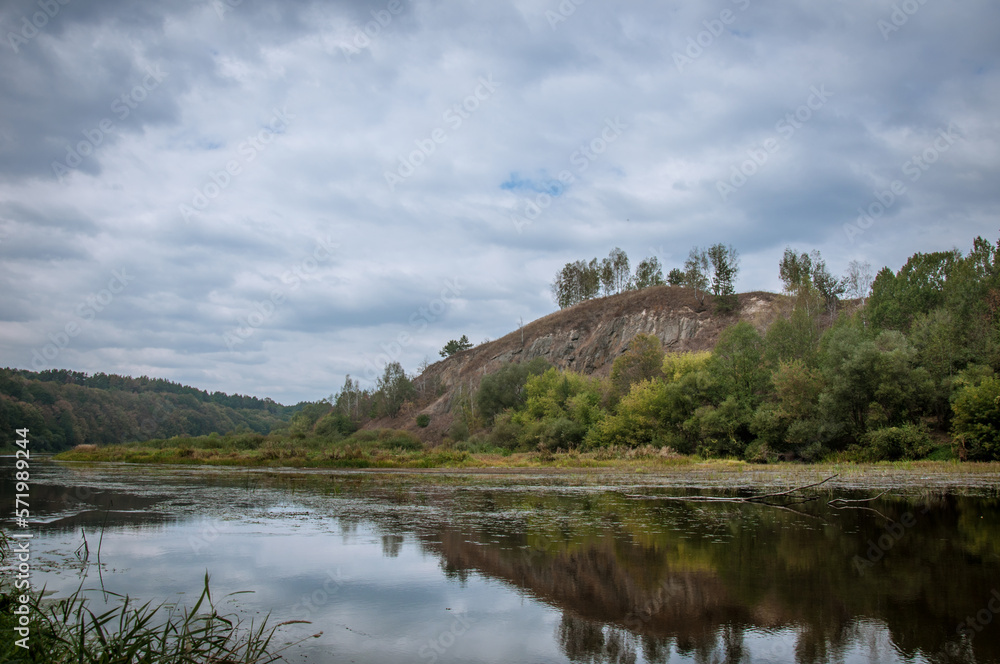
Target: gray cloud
<point x="254" y="132"/>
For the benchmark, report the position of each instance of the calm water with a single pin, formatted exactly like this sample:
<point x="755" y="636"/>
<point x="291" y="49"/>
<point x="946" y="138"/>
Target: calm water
<point x="451" y="568"/>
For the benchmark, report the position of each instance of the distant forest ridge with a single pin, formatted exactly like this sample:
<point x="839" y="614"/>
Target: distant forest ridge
<point x="64" y="408"/>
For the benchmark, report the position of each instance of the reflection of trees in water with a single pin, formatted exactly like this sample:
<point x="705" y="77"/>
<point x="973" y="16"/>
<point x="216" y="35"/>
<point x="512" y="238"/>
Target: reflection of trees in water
<point x="392" y="545"/>
<point x="640" y="577"/>
<point x="592" y="643"/>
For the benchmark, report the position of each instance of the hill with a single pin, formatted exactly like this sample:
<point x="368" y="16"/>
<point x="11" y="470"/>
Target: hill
<point x="586" y="338"/>
<point x="66" y="408"/>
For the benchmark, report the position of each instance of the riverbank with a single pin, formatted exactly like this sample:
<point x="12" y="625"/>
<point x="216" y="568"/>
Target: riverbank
<point x="394" y="451"/>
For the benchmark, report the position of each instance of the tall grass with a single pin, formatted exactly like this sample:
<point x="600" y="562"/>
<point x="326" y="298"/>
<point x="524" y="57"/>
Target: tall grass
<point x="67" y="630"/>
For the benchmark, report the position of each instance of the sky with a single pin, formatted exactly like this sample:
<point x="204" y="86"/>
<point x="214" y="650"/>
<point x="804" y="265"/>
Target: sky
<point x="262" y="197"/>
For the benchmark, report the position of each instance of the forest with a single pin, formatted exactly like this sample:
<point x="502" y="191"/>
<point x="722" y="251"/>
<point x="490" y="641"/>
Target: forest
<point x="66" y="408"/>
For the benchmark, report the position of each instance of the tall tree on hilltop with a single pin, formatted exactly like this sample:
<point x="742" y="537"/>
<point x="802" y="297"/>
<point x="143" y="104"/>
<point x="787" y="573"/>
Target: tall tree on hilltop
<point x="456" y="346"/>
<point x="696" y="273"/>
<point x="858" y="280"/>
<point x="648" y="273"/>
<point x="725" y="262"/>
<point x="829" y="287"/>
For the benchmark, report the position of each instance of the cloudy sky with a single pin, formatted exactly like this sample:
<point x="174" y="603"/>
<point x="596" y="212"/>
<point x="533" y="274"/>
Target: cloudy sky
<point x="261" y="197"/>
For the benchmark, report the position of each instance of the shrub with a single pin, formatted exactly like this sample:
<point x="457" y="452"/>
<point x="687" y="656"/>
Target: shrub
<point x="423" y="420"/>
<point x="504" y="389"/>
<point x="458" y="430"/>
<point x="248" y="441"/>
<point x="334" y="425"/>
<point x="814" y="451"/>
<point x="642" y="361"/>
<point x="760" y="452"/>
<point x="910" y="441"/>
<point x="976" y="424"/>
<point x="506" y="433"/>
<point x="386" y="439"/>
<point x="401" y="440"/>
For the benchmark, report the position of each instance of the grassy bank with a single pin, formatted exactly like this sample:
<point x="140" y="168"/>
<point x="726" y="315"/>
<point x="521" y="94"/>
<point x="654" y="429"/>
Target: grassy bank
<point x="365" y="449"/>
<point x="388" y="449"/>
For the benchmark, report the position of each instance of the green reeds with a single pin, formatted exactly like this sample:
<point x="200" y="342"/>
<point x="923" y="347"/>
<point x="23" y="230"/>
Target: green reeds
<point x="67" y="630"/>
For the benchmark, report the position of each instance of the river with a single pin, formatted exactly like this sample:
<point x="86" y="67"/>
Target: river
<point x="547" y="567"/>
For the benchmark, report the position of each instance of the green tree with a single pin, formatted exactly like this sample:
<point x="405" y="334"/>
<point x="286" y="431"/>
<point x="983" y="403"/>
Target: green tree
<point x="725" y="262"/>
<point x="858" y="280"/>
<point x="348" y="400"/>
<point x="794" y="338"/>
<point x="675" y="277"/>
<point x="393" y="390"/>
<point x="917" y="288"/>
<point x="795" y="271"/>
<point x="615" y="272"/>
<point x="648" y="273"/>
<point x="870" y="381"/>
<point x="976" y="421"/>
<point x="827" y="286"/>
<point x="641" y="361"/>
<point x="559" y="409"/>
<point x="456" y="346"/>
<point x="738" y="364"/>
<point x="576" y="282"/>
<point x="696" y="273"/>
<point x="504" y="388"/>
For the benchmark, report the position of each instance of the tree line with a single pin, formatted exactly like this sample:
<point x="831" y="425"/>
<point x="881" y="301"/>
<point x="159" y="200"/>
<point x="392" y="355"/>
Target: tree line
<point x="713" y="269"/>
<point x="66" y="408"/>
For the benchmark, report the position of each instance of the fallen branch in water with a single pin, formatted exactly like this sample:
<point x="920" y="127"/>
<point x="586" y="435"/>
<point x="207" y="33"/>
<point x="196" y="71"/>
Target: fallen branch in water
<point x="847" y="503"/>
<point x="841" y="503"/>
<point x="762" y="498"/>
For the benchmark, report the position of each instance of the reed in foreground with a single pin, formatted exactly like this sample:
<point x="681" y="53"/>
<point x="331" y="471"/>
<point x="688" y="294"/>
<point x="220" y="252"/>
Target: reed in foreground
<point x="68" y="630"/>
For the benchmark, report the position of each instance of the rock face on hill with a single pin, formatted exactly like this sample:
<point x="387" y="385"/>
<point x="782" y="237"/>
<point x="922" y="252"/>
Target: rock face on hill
<point x="589" y="336"/>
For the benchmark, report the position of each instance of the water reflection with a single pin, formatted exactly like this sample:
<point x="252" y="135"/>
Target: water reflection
<point x="412" y="568"/>
<point x="693" y="578"/>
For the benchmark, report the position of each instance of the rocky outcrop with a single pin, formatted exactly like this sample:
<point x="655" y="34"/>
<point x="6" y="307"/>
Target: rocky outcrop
<point x="589" y="336"/>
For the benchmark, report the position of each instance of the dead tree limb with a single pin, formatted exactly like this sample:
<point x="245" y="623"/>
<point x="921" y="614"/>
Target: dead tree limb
<point x="762" y="498"/>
